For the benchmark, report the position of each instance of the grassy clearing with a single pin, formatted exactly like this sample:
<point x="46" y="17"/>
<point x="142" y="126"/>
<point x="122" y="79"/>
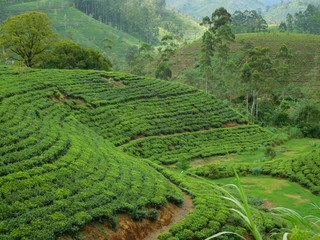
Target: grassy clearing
<point x="277" y="193"/>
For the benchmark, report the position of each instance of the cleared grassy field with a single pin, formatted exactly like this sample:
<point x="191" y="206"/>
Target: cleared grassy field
<point x="278" y="193"/>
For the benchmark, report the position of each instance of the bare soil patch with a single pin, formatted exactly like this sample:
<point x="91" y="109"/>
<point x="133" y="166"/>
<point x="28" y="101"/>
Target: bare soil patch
<point x="200" y="161"/>
<point x="233" y="124"/>
<point x="141" y="230"/>
<point x="299" y="198"/>
<point x="114" y="82"/>
<point x="268" y="204"/>
<point x="63" y="97"/>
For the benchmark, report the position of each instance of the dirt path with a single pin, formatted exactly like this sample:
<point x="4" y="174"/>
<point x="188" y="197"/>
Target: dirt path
<point x="183" y="211"/>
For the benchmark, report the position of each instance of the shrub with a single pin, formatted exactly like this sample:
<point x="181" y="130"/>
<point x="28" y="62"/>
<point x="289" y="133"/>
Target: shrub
<point x="256" y="171"/>
<point x="153" y="215"/>
<point x="270" y="153"/>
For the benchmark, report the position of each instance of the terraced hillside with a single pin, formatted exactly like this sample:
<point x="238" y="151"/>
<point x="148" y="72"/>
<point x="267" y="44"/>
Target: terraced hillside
<point x="57" y="174"/>
<point x="59" y="167"/>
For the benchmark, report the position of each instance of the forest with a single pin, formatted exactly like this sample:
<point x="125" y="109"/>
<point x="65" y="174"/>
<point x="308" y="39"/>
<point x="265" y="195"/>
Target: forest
<point x="131" y="120"/>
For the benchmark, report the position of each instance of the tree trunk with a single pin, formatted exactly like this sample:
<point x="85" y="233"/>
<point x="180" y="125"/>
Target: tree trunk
<point x="247" y="101"/>
<point x="252" y="108"/>
<point x="257" y="109"/>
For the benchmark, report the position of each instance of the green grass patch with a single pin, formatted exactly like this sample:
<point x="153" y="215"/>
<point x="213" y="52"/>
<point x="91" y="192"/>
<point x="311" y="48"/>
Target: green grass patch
<point x="277" y="193"/>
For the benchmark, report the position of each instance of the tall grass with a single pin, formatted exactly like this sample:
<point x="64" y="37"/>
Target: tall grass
<point x="303" y="228"/>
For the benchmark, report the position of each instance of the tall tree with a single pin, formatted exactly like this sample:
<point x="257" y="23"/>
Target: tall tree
<point x="27" y="35"/>
<point x="256" y="73"/>
<point x="290" y="22"/>
<point x="216" y="39"/>
<point x="248" y="21"/>
<point x="168" y="47"/>
<point x="282" y="67"/>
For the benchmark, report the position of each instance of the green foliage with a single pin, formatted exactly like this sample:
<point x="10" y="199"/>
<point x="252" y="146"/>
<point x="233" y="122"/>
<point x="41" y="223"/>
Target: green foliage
<point x="303" y="170"/>
<point x="163" y="71"/>
<point x="27" y="35"/>
<point x="211" y="214"/>
<point x="216" y="40"/>
<point x="248" y="22"/>
<point x="138" y="18"/>
<point x="168" y="47"/>
<point x="195" y="145"/>
<point x="270" y="153"/>
<point x="69" y="55"/>
<point x="256" y="171"/>
<point x="307" y="21"/>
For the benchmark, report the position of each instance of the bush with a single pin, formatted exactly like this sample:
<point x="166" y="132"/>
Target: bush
<point x="295" y="132"/>
<point x="256" y="171"/>
<point x="153" y="215"/>
<point x="164" y="236"/>
<point x="270" y="153"/>
<point x="163" y="71"/>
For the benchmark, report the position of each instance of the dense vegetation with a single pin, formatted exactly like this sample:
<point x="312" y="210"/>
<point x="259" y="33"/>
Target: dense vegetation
<point x="285" y="99"/>
<point x="46" y="145"/>
<point x="303" y="22"/>
<point x="74" y="24"/>
<point x="248" y="22"/>
<point x="277" y="13"/>
<point x="200" y="8"/>
<point x="65" y="54"/>
<point x="140" y="18"/>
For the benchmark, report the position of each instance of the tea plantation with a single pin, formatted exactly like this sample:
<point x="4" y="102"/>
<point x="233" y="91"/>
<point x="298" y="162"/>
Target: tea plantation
<point x="61" y="161"/>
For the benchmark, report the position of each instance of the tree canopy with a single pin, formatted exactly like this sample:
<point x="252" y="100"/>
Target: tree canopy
<point x="27" y="35"/>
<point x="69" y="55"/>
<point x="216" y="39"/>
<point x="163" y="71"/>
<point x="305" y="22"/>
<point x="248" y="22"/>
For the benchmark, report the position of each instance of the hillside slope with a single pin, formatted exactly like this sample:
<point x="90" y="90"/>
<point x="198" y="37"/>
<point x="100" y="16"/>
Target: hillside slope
<point x="304" y="47"/>
<point x="56" y="174"/>
<point x="58" y="167"/>
<point x="71" y="22"/>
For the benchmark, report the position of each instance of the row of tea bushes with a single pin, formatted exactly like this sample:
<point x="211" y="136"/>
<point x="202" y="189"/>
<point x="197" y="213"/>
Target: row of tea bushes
<point x="302" y="169"/>
<point x="188" y="146"/>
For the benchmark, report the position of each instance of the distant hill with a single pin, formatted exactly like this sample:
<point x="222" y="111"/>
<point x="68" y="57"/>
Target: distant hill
<point x="278" y="13"/>
<point x="201" y="8"/>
